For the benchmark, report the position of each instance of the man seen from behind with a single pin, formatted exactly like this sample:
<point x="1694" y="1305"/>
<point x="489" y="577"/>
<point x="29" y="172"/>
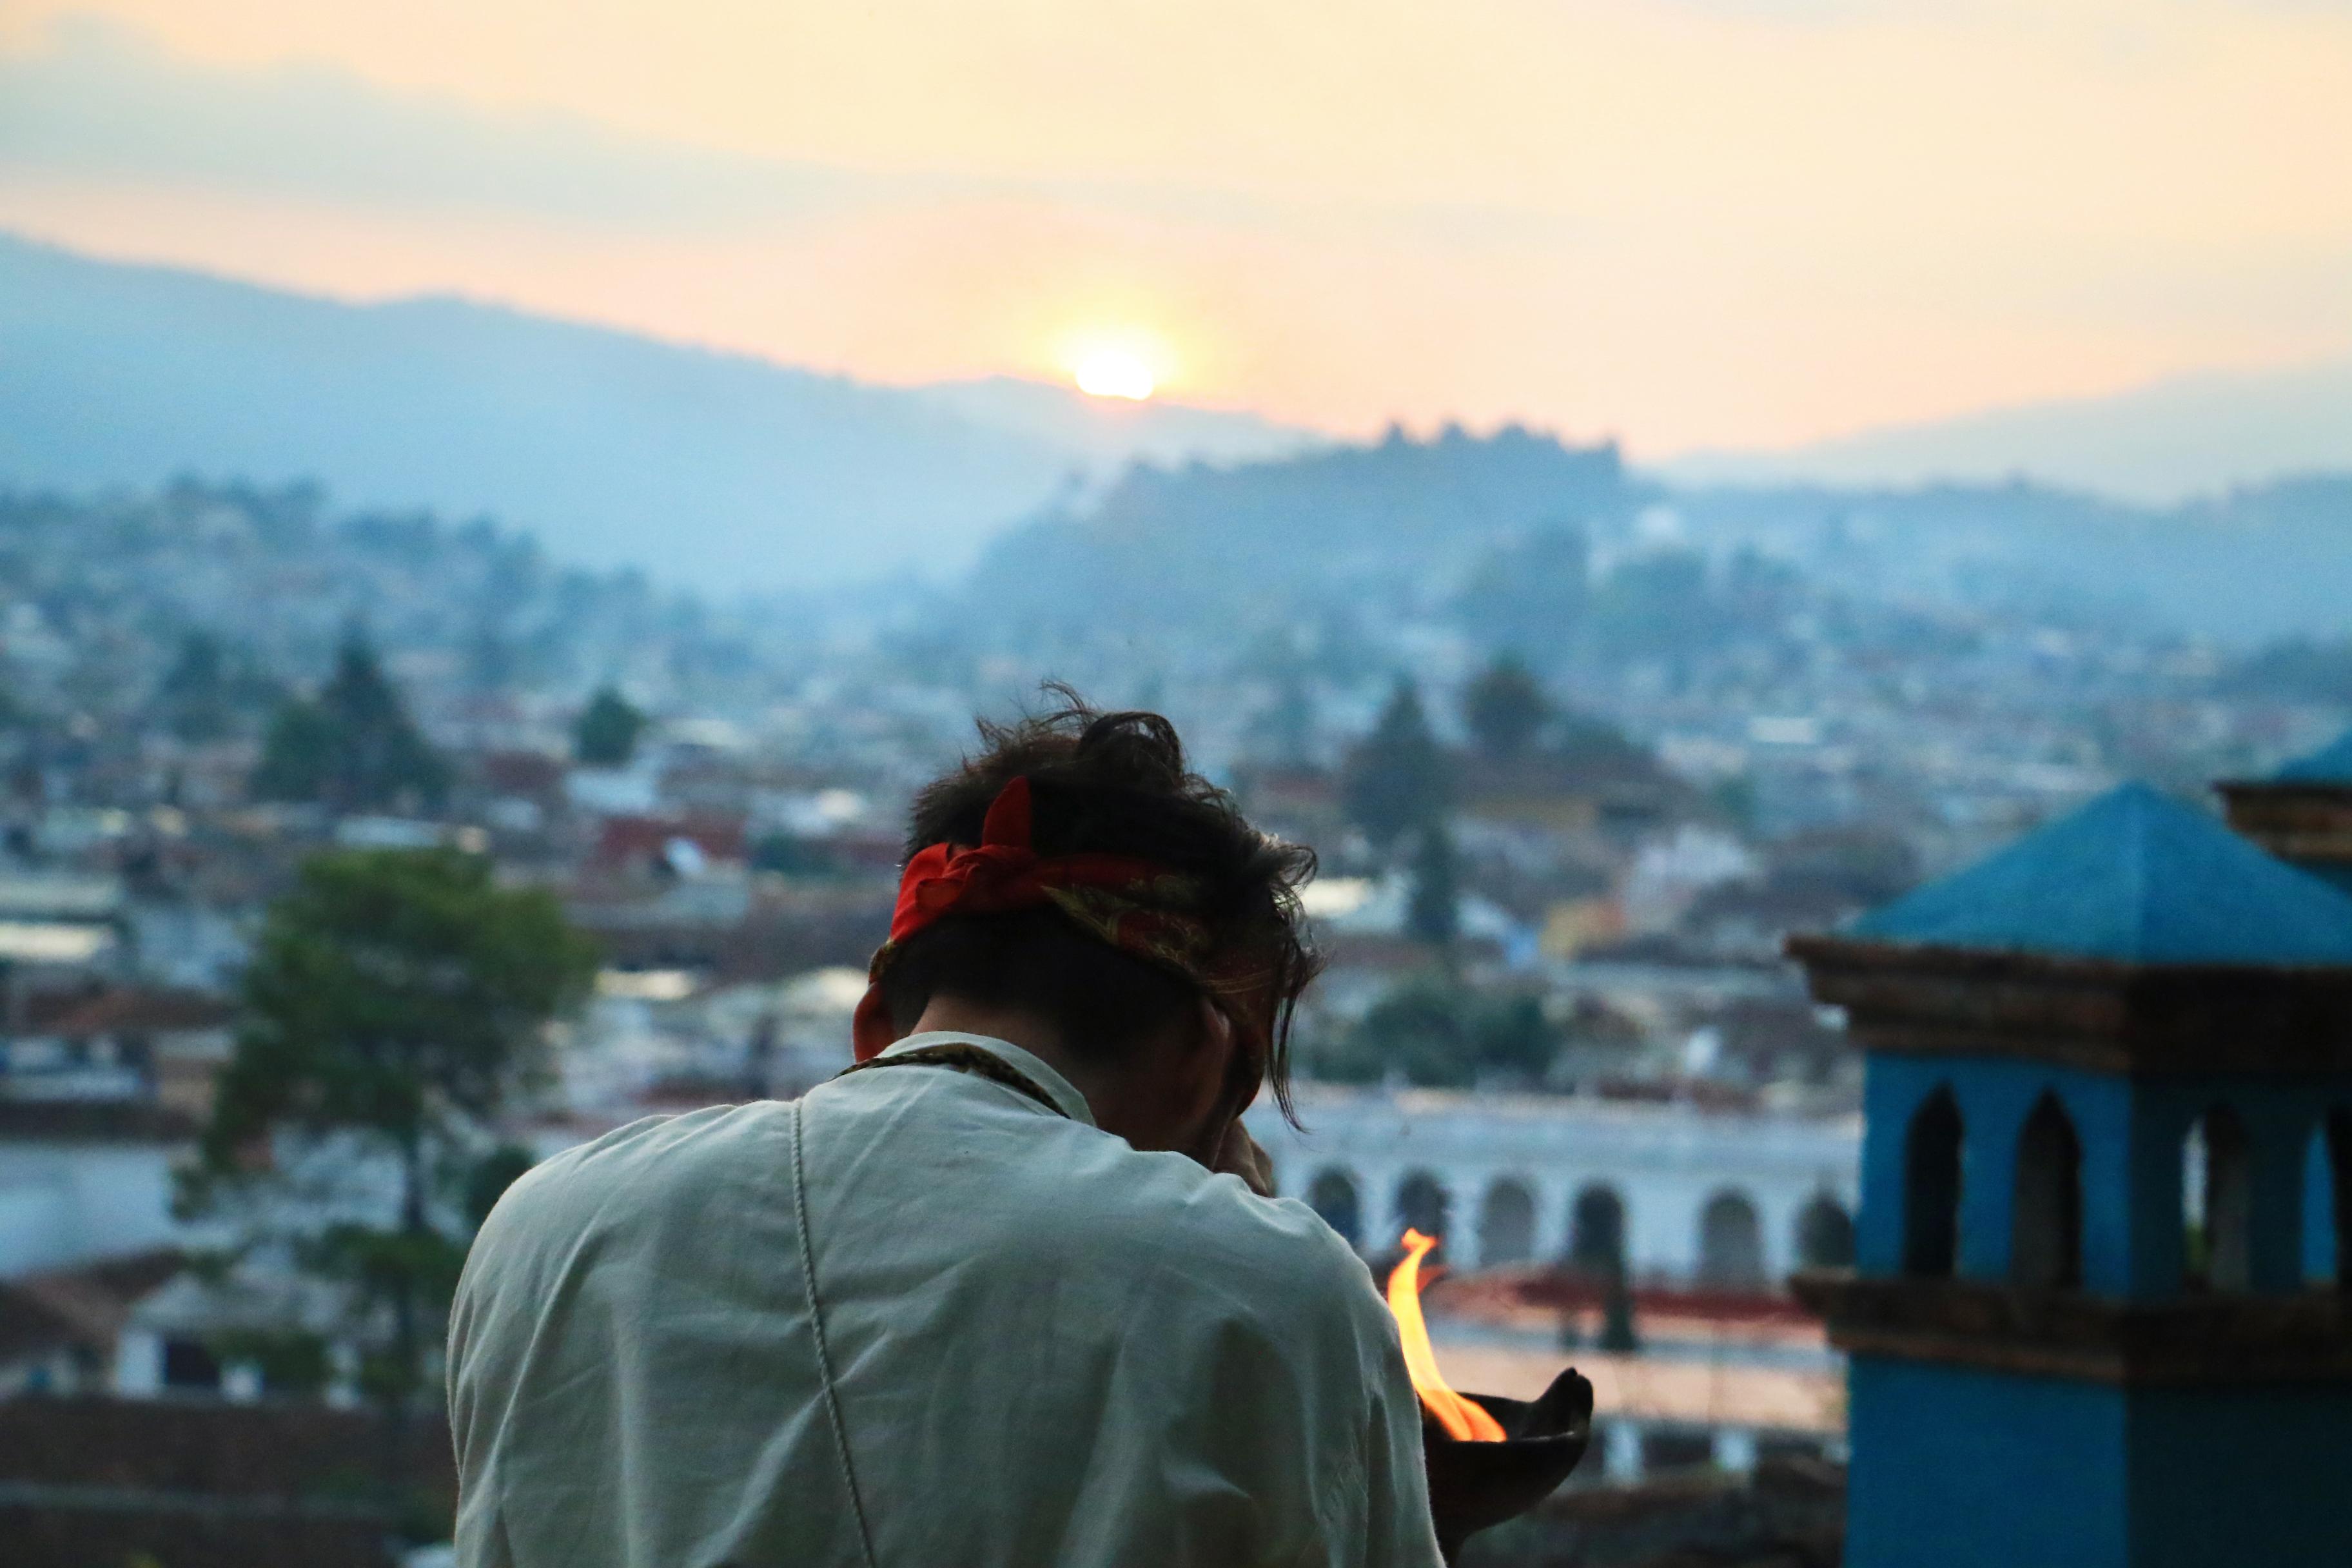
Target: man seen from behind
<point x="1006" y="1293"/>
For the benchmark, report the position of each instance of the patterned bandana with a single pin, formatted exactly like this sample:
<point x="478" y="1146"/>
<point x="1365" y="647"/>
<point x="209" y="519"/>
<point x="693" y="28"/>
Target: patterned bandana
<point x="1136" y="906"/>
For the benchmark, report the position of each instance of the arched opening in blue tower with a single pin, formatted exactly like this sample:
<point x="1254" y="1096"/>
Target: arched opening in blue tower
<point x="2217" y="1203"/>
<point x="2045" y="1237"/>
<point x="2327" y="1199"/>
<point x="2339" y="1171"/>
<point x="1332" y="1195"/>
<point x="1931" y="1187"/>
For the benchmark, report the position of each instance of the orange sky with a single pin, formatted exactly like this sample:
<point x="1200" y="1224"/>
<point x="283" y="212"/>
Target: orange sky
<point x="1688" y="222"/>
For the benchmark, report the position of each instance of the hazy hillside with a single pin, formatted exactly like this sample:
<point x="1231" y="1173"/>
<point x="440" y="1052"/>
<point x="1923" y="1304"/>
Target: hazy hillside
<point x="2168" y="442"/>
<point x="1491" y="529"/>
<point x="1400" y="524"/>
<point x="715" y="470"/>
<point x="104" y="594"/>
<point x="727" y="473"/>
<point x="1110" y="433"/>
<point x="2267" y="561"/>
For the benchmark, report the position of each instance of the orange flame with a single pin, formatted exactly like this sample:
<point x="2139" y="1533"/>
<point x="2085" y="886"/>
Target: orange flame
<point x="1466" y="1419"/>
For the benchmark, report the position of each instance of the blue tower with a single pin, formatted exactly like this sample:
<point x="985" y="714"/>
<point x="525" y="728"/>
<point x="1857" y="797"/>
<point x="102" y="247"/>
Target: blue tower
<point x="2099" y="1313"/>
<point x="2303" y="813"/>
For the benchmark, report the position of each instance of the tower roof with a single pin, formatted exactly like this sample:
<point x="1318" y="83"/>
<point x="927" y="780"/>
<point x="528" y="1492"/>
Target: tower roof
<point x="2331" y="764"/>
<point x="2132" y="877"/>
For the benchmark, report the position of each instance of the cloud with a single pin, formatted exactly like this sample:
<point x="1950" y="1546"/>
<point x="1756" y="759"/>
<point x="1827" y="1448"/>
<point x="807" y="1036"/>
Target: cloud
<point x="1693" y="221"/>
<point x="103" y="104"/>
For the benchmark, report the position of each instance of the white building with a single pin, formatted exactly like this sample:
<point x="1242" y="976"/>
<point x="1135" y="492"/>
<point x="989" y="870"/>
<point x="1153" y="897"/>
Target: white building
<point x="1675" y="1194"/>
<point x="84" y="1179"/>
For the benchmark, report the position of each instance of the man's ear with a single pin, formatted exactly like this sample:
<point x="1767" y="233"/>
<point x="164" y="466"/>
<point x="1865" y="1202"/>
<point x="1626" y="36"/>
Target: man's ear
<point x="1241" y="1070"/>
<point x="871" y="1032"/>
<point x="1213" y="1026"/>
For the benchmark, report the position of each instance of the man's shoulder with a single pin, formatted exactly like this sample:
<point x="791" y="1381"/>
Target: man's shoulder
<point x="652" y="1164"/>
<point x="1272" y="1258"/>
<point x="1281" y="1236"/>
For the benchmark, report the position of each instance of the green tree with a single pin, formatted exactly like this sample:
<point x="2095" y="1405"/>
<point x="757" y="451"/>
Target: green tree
<point x="490" y="1177"/>
<point x="1510" y="1034"/>
<point x="1505" y="708"/>
<point x="1434" y="913"/>
<point x="212" y="690"/>
<point x="608" y="731"/>
<point x="194" y="694"/>
<point x="1431" y="1030"/>
<point x="1418" y="1031"/>
<point x="792" y="855"/>
<point x="298" y="755"/>
<point x="394" y="1001"/>
<point x="353" y="747"/>
<point x="1397" y="778"/>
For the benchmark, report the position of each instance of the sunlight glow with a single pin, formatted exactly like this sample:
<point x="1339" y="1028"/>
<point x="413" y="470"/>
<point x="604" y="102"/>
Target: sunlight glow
<point x="1114" y="373"/>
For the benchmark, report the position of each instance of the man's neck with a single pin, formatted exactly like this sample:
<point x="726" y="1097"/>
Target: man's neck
<point x="1032" y="1033"/>
<point x="1127" y="1098"/>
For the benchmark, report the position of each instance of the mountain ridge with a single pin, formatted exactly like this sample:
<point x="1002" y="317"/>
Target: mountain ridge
<point x="717" y="469"/>
<point x="2179" y="438"/>
<point x="727" y="473"/>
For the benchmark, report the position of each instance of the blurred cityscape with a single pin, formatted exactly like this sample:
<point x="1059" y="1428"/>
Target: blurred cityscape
<point x="1578" y="750"/>
<point x="1793" y="564"/>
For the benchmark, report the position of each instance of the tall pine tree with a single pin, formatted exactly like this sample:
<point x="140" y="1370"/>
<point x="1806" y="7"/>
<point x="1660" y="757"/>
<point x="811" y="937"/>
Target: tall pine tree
<point x="1397" y="779"/>
<point x="608" y="731"/>
<point x="1505" y="708"/>
<point x="353" y="747"/>
<point x="1434" y="914"/>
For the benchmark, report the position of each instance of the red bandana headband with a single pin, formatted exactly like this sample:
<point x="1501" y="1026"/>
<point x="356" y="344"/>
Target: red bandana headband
<point x="1136" y="906"/>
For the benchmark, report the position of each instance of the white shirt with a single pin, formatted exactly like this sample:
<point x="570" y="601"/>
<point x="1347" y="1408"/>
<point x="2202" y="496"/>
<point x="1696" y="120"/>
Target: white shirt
<point x="1031" y="1345"/>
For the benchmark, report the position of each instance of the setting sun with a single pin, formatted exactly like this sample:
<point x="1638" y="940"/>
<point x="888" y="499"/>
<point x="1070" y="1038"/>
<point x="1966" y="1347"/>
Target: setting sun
<point x="1114" y="373"/>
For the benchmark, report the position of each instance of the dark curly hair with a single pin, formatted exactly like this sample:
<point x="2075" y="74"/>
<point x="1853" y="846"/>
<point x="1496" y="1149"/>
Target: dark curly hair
<point x="1112" y="783"/>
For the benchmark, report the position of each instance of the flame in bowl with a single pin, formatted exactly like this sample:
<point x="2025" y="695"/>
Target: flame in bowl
<point x="1466" y="1419"/>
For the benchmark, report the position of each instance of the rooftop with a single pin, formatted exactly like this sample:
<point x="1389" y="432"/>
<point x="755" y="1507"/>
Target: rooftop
<point x="135" y="1010"/>
<point x="30" y="1328"/>
<point x="93" y="1122"/>
<point x="53" y="942"/>
<point x="59" y="896"/>
<point x="2331" y="764"/>
<point x="2134" y="876"/>
<point x="83" y="1306"/>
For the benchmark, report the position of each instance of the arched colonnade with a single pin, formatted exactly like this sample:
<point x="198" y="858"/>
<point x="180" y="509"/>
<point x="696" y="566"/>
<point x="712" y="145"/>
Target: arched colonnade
<point x="1662" y="1192"/>
<point x="1518" y="1218"/>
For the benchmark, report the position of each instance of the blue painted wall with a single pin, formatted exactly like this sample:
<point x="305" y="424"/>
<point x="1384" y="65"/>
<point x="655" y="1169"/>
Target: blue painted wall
<point x="2253" y="1476"/>
<point x="2319" y="1261"/>
<point x="2131" y="1131"/>
<point x="1952" y="1466"/>
<point x="1960" y="1466"/>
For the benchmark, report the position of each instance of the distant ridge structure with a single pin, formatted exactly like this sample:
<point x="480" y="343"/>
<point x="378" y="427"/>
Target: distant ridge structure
<point x="2099" y="1316"/>
<point x="2303" y="813"/>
